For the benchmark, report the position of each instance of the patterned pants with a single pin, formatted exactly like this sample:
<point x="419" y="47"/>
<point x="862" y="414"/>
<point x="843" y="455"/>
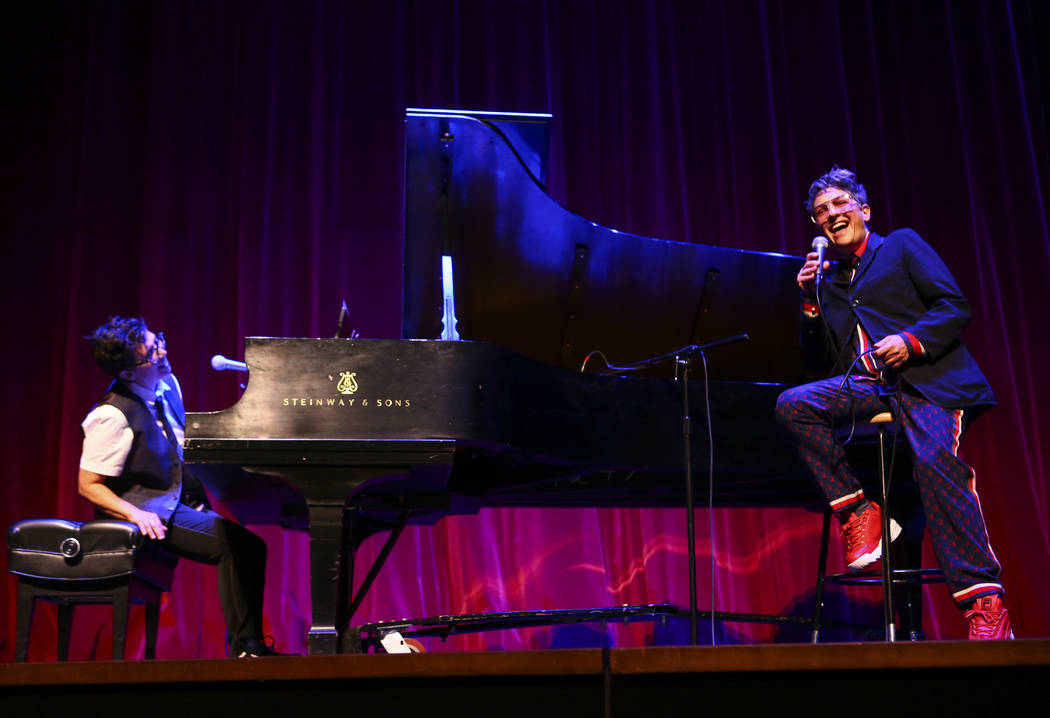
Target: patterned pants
<point x="948" y="486"/>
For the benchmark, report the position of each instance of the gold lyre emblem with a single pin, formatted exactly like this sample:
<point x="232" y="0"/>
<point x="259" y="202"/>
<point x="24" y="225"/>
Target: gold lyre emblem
<point x="347" y="382"/>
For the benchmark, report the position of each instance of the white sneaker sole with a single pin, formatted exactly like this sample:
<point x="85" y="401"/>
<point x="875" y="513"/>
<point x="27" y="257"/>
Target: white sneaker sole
<point x="875" y="554"/>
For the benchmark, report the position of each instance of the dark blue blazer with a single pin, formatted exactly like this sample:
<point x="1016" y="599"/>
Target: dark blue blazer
<point x="901" y="285"/>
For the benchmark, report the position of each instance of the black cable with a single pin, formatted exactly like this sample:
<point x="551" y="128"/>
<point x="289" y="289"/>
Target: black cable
<point x="830" y="335"/>
<point x="609" y="366"/>
<point x="852" y="399"/>
<point x="895" y="407"/>
<point x="838" y="349"/>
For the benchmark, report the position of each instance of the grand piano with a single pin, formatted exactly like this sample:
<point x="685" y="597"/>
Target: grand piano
<point x="351" y="437"/>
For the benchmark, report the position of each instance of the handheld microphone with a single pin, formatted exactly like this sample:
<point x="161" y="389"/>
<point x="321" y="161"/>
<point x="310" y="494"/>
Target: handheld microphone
<point x="221" y="363"/>
<point x="820" y="246"/>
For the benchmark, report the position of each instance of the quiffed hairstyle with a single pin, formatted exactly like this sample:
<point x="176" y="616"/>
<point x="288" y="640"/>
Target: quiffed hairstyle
<point x="839" y="178"/>
<point x="115" y="343"/>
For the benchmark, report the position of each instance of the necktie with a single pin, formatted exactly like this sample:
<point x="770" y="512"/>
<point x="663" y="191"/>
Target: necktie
<point x="168" y="431"/>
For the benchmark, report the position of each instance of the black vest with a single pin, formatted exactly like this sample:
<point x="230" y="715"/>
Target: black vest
<point x="152" y="478"/>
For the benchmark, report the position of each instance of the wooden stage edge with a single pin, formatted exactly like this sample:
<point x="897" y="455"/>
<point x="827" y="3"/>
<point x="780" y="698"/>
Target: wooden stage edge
<point x="671" y="660"/>
<point x="618" y="681"/>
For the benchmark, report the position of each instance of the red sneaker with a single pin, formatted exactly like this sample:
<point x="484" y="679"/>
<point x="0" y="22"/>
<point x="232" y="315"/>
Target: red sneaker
<point x="862" y="534"/>
<point x="989" y="619"/>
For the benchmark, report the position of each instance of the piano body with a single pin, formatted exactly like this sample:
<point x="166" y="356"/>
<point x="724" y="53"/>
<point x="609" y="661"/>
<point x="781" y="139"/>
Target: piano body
<point x="350" y="437"/>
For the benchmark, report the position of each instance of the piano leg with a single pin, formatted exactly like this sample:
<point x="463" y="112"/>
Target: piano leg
<point x="335" y="534"/>
<point x="330" y="574"/>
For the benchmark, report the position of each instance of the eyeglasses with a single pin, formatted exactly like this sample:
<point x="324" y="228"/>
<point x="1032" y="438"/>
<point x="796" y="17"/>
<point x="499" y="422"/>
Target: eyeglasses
<point x="821" y="212"/>
<point x="155" y="352"/>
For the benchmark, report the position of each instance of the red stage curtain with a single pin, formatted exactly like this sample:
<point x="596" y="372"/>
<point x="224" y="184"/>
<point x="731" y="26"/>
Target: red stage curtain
<point x="236" y="168"/>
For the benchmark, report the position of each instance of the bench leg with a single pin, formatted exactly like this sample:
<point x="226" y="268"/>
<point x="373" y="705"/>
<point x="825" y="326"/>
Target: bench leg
<point x="26" y="603"/>
<point x="152" y="624"/>
<point x="121" y="605"/>
<point x="65" y="628"/>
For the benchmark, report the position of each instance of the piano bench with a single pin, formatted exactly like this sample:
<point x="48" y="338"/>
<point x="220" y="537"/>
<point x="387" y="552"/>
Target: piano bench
<point x="906" y="581"/>
<point x="69" y="563"/>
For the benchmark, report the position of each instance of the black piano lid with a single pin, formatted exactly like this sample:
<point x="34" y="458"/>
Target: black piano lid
<point x="533" y="277"/>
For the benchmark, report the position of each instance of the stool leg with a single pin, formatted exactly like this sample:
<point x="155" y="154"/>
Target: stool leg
<point x="26" y="603"/>
<point x="822" y="567"/>
<point x="121" y="605"/>
<point x="908" y="598"/>
<point x="912" y="612"/>
<point x="887" y="572"/>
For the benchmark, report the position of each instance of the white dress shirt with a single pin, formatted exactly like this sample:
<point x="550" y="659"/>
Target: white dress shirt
<point x="108" y="438"/>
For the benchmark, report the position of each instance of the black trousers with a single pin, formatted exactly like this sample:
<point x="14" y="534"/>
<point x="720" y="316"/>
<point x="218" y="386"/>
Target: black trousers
<point x="238" y="553"/>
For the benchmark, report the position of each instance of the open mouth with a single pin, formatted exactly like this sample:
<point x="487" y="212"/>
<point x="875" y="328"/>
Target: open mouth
<point x="839" y="225"/>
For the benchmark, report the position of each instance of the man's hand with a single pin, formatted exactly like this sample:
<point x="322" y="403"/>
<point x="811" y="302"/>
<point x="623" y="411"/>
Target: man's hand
<point x="93" y="488"/>
<point x="892" y="351"/>
<point x="807" y="276"/>
<point x="149" y="523"/>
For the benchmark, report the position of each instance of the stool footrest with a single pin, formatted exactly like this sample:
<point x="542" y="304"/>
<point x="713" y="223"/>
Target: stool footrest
<point x="898" y="576"/>
<point x="892" y="580"/>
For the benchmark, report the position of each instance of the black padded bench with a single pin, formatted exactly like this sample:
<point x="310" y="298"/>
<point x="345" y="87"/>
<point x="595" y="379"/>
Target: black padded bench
<point x="69" y="562"/>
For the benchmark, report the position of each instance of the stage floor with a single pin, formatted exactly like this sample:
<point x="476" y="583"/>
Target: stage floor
<point x="620" y="682"/>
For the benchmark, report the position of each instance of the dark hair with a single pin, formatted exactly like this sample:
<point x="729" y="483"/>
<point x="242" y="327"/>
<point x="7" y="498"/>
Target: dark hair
<point x="839" y="178"/>
<point x="116" y="342"/>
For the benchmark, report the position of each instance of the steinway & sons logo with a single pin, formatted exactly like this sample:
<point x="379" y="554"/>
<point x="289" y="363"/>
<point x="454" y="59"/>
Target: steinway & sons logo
<point x="346" y="387"/>
<point x="347" y="382"/>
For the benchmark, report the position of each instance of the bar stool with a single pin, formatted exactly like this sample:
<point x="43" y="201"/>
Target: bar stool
<point x="70" y="563"/>
<point x="888" y="577"/>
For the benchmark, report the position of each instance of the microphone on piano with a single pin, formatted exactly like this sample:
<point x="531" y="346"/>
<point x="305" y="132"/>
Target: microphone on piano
<point x="820" y="246"/>
<point x="343" y="311"/>
<point x="221" y="363"/>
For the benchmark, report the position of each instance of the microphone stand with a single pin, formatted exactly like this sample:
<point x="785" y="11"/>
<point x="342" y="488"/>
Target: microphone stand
<point x="690" y="518"/>
<point x="682" y="358"/>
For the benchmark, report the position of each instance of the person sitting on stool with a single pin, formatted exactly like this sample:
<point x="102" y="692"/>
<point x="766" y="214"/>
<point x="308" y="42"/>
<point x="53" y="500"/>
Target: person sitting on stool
<point x="131" y="468"/>
<point x="894" y="310"/>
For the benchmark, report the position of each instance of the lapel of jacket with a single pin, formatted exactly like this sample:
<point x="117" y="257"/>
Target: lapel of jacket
<point x="874" y="243"/>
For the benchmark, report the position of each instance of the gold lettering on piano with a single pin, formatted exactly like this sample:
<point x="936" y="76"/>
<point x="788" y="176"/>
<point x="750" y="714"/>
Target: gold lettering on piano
<point x="310" y="401"/>
<point x="346" y="385"/>
<point x="336" y="401"/>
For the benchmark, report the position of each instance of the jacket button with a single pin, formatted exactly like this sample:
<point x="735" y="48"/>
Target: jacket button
<point x="855" y="302"/>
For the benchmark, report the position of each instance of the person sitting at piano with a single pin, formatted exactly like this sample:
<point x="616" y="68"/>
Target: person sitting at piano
<point x="131" y="468"/>
<point x="892" y="316"/>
